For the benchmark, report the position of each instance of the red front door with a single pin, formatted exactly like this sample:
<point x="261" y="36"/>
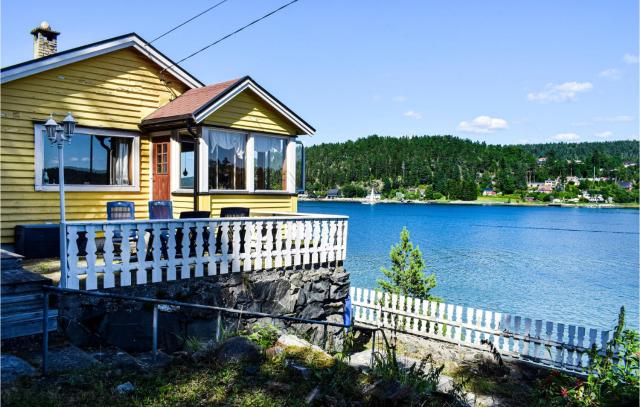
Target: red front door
<point x="161" y="168"/>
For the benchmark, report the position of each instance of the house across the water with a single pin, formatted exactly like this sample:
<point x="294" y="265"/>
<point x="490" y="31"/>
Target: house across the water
<point x="146" y="130"/>
<point x="333" y="193"/>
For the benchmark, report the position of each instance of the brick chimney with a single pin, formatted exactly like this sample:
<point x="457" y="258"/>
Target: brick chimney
<point x="45" y="40"/>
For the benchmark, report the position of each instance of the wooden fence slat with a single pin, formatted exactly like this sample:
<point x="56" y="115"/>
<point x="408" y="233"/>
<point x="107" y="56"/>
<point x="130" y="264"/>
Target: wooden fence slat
<point x="559" y="338"/>
<point x="580" y="344"/>
<point x="571" y="332"/>
<point x="109" y="280"/>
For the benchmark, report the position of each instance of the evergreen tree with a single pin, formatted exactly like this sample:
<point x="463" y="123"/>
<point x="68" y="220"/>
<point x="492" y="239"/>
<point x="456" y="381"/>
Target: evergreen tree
<point x="406" y="276"/>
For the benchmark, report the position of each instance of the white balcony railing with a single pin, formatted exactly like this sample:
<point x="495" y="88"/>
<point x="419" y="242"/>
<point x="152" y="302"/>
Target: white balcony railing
<point x="107" y="254"/>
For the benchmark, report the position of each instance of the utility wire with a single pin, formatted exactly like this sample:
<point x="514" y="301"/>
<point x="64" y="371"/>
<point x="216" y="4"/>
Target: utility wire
<point x="188" y="21"/>
<point x="231" y="34"/>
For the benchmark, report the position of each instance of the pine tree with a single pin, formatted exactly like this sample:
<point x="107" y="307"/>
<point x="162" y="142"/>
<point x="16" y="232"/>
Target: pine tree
<point x="406" y="276"/>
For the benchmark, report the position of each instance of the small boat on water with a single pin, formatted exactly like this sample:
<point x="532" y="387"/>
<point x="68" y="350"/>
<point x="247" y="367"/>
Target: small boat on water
<point x="372" y="198"/>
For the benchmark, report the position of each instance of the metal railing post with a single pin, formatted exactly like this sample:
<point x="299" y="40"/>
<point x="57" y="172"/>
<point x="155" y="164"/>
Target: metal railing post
<point x="155" y="332"/>
<point x="45" y="332"/>
<point x="218" y="326"/>
<point x="373" y="347"/>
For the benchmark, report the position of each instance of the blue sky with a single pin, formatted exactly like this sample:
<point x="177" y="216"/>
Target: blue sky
<point x="499" y="71"/>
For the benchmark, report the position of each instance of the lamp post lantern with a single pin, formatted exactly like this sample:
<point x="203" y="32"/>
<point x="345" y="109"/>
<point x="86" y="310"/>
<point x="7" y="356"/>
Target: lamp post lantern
<point x="58" y="136"/>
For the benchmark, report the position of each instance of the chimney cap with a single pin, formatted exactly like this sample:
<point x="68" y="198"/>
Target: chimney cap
<point x="45" y="29"/>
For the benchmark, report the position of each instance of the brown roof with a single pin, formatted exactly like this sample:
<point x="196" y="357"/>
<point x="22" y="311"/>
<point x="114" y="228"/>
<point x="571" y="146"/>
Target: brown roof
<point x="190" y="101"/>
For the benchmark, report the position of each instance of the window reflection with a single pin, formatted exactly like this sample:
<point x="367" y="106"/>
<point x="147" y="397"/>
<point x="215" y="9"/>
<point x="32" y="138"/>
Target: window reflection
<point x="269" y="160"/>
<point x="226" y="159"/>
<point x="89" y="160"/>
<point x="186" y="163"/>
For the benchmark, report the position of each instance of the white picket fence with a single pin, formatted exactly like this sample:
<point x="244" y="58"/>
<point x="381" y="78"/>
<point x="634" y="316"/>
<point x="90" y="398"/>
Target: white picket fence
<point x="546" y="343"/>
<point x="107" y="254"/>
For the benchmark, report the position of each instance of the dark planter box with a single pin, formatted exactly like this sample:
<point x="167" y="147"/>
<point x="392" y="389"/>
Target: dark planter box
<point x="36" y="241"/>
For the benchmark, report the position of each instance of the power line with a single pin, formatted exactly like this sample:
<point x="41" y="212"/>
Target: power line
<point x="230" y="34"/>
<point x="188" y="21"/>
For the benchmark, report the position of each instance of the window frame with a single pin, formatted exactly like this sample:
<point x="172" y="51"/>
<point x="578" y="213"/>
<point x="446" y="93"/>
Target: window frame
<point x="135" y="161"/>
<point x="285" y="161"/>
<point x="204" y="144"/>
<point x="184" y="139"/>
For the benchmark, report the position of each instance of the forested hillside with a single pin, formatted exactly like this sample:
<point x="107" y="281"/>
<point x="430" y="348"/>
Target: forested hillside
<point x="455" y="167"/>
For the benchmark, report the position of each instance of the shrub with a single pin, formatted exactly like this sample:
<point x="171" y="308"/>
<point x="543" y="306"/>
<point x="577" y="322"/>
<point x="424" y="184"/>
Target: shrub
<point x="264" y="336"/>
<point x="613" y="376"/>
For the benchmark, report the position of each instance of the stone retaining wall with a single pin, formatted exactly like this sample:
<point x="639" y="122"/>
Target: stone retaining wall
<point x="317" y="294"/>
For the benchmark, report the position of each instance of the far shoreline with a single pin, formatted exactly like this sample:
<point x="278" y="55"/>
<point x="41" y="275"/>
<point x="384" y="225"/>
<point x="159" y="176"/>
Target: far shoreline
<point x="479" y="203"/>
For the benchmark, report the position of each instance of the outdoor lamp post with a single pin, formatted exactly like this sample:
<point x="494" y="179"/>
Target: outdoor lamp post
<point x="58" y="135"/>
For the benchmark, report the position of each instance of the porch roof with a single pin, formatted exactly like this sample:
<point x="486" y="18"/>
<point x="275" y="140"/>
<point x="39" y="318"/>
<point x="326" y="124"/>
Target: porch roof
<point x="198" y="104"/>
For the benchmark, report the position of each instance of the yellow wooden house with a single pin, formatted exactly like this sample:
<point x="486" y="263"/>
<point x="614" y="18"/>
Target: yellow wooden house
<point x="144" y="124"/>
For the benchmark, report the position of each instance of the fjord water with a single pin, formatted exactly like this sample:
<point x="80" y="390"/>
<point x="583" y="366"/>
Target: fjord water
<point x="570" y="265"/>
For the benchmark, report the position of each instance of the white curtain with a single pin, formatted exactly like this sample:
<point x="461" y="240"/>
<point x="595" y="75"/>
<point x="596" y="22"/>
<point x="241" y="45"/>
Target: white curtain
<point x="226" y="140"/>
<point x="120" y="163"/>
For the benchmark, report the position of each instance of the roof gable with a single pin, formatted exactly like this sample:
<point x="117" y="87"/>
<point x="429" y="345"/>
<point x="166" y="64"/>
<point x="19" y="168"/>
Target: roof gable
<point x="198" y="104"/>
<point x="62" y="58"/>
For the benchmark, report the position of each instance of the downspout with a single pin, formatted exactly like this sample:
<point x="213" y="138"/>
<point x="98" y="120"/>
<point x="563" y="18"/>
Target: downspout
<point x="196" y="163"/>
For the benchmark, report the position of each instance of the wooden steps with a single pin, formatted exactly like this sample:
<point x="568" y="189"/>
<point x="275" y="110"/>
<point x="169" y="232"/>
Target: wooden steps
<point x="21" y="299"/>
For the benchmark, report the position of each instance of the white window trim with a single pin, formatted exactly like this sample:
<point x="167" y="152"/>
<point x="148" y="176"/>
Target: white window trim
<point x="39" y="161"/>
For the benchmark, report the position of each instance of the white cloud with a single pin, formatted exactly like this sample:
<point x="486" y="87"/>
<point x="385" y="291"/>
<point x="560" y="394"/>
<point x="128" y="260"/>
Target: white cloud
<point x="483" y="124"/>
<point x="604" y="134"/>
<point x="566" y="137"/>
<point x="611" y="73"/>
<point x="413" y="114"/>
<point x="614" y="119"/>
<point x="399" y="99"/>
<point x="630" y="58"/>
<point x="560" y="93"/>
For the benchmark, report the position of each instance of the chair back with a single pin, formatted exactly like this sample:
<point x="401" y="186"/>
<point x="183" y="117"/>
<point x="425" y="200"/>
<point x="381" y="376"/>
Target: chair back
<point x="160" y="210"/>
<point x="121" y="210"/>
<point x="234" y="212"/>
<point x="194" y="214"/>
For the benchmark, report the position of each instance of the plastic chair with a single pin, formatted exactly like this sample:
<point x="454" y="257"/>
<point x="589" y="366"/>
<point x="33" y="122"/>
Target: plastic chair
<point x="192" y="232"/>
<point x="160" y="210"/>
<point x="232" y="212"/>
<point x="194" y="214"/>
<point x="121" y="210"/>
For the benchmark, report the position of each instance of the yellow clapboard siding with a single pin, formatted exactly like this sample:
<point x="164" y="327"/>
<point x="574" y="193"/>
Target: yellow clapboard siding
<point x="283" y="203"/>
<point x="112" y="91"/>
<point x="19" y="96"/>
<point x="247" y="111"/>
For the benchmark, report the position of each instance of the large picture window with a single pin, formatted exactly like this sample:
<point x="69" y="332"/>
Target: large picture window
<point x="269" y="162"/>
<point x="226" y="159"/>
<point x="94" y="158"/>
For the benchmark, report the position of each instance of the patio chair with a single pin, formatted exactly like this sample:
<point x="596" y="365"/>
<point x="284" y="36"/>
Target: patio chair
<point x="232" y="212"/>
<point x="121" y="210"/>
<point x="192" y="232"/>
<point x="160" y="210"/>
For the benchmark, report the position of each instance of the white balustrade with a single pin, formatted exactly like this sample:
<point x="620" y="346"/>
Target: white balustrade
<point x="533" y="341"/>
<point x="108" y="254"/>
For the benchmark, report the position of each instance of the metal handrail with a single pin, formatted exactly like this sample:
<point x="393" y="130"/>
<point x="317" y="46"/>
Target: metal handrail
<point x="48" y="290"/>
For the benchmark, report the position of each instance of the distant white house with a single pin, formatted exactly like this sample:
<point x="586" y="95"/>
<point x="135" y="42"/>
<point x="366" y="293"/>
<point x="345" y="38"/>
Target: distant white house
<point x="574" y="179"/>
<point x="488" y="192"/>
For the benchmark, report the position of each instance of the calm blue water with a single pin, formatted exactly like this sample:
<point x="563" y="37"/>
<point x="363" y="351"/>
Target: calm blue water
<point x="571" y="265"/>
